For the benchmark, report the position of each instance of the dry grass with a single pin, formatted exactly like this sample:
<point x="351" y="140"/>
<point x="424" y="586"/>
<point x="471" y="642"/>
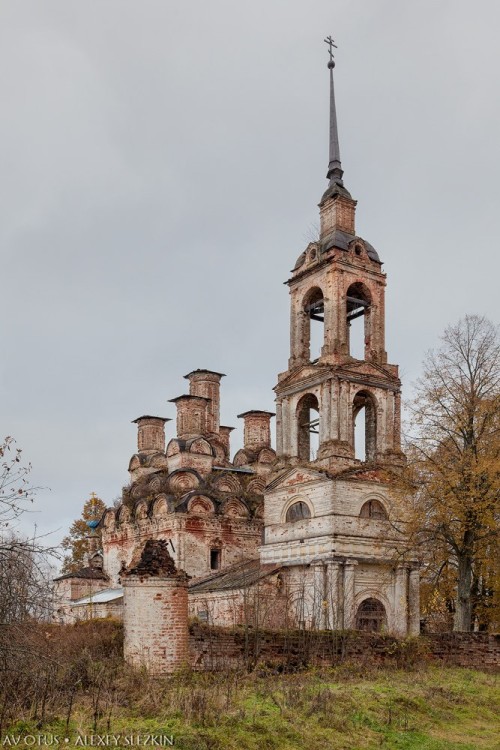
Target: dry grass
<point x="78" y="685"/>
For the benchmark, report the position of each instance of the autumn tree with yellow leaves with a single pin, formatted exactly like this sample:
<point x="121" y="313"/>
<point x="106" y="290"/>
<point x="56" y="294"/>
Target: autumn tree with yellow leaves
<point x="454" y="471"/>
<point x="77" y="543"/>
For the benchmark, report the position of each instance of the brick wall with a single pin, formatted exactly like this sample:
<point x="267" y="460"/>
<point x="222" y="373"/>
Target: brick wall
<point x="465" y="649"/>
<point x="155" y="622"/>
<point x="337" y="213"/>
<point x="97" y="611"/>
<point x="264" y="606"/>
<point x="192" y="536"/>
<point x="221" y="648"/>
<point x="69" y="589"/>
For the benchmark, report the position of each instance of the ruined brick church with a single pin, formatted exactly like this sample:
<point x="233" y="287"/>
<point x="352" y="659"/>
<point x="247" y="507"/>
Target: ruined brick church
<point x="297" y="535"/>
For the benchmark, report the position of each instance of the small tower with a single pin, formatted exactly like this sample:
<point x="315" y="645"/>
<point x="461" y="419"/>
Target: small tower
<point x="156" y="611"/>
<point x="337" y="280"/>
<point x="150" y="434"/>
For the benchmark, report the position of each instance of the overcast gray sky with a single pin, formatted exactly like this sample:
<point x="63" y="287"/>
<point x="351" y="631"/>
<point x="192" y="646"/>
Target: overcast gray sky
<point x="161" y="165"/>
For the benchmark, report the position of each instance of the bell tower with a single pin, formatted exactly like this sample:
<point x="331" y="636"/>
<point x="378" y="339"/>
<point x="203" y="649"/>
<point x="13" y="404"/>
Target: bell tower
<point x="329" y="386"/>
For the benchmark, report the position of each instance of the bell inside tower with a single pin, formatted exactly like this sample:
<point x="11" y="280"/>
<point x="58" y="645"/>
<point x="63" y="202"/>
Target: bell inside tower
<point x="338" y="403"/>
<point x="308" y="427"/>
<point x="358" y="308"/>
<point x="315" y="311"/>
<point x="364" y="417"/>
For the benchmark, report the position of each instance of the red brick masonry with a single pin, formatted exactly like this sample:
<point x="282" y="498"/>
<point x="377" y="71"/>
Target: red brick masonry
<point x="221" y="648"/>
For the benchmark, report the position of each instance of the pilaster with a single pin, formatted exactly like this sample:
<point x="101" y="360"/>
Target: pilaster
<point x="414" y="601"/>
<point x="349" y="594"/>
<point x="332" y="611"/>
<point x="400" y="626"/>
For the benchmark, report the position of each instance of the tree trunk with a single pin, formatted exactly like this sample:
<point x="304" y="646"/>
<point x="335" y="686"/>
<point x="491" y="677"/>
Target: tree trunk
<point x="463" y="611"/>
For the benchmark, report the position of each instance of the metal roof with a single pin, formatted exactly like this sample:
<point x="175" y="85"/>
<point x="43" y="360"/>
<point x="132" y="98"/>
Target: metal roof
<point x="208" y="372"/>
<point x="257" y="411"/>
<point x="237" y="576"/>
<point x="231" y="469"/>
<point x="100" y="597"/>
<point x="150" y="416"/>
<point x="88" y="572"/>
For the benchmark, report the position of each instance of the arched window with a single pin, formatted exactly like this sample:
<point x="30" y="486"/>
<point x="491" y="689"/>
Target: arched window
<point x="364" y="419"/>
<point x="308" y="427"/>
<point x="314" y="321"/>
<point x="373" y="509"/>
<point x="358" y="306"/>
<point x="297" y="512"/>
<point x="371" y="616"/>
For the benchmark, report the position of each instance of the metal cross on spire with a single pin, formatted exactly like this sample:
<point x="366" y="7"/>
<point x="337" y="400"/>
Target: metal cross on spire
<point x="335" y="171"/>
<point x="331" y="45"/>
<point x="93" y="522"/>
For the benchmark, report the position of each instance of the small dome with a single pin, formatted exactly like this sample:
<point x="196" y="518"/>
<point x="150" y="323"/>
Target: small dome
<point x="372" y="253"/>
<point x="300" y="261"/>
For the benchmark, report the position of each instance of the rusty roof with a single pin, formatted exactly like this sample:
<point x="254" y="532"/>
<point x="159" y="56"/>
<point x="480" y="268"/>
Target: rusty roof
<point x="87" y="572"/>
<point x="208" y="372"/>
<point x="237" y="576"/>
<point x="150" y="416"/>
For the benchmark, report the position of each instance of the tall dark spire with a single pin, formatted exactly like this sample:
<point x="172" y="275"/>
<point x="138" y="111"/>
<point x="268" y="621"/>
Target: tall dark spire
<point x="335" y="170"/>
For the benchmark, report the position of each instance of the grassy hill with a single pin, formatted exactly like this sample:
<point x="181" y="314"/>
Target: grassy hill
<point x="335" y="709"/>
<point x="67" y="686"/>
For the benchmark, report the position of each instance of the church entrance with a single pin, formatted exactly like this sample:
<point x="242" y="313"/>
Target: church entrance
<point x="371" y="616"/>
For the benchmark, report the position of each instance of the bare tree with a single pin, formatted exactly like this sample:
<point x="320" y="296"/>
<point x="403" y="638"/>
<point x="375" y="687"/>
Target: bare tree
<point x="454" y="466"/>
<point x="25" y="590"/>
<point x="15" y="490"/>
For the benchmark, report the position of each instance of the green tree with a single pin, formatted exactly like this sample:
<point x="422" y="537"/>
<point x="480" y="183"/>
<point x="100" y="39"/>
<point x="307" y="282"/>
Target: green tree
<point x="454" y="469"/>
<point x="77" y="541"/>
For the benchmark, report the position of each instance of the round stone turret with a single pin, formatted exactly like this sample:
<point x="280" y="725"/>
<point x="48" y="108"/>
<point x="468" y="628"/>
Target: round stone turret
<point x="150" y="434"/>
<point x="155" y="617"/>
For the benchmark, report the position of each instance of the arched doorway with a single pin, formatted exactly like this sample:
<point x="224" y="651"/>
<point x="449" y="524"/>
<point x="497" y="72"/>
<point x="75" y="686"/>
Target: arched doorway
<point x="371" y="616"/>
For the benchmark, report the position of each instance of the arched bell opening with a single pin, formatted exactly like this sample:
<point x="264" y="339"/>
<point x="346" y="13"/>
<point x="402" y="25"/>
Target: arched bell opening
<point x="371" y="616"/>
<point x="314" y="323"/>
<point x="308" y="427"/>
<point x="358" y="320"/>
<point x="364" y="420"/>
